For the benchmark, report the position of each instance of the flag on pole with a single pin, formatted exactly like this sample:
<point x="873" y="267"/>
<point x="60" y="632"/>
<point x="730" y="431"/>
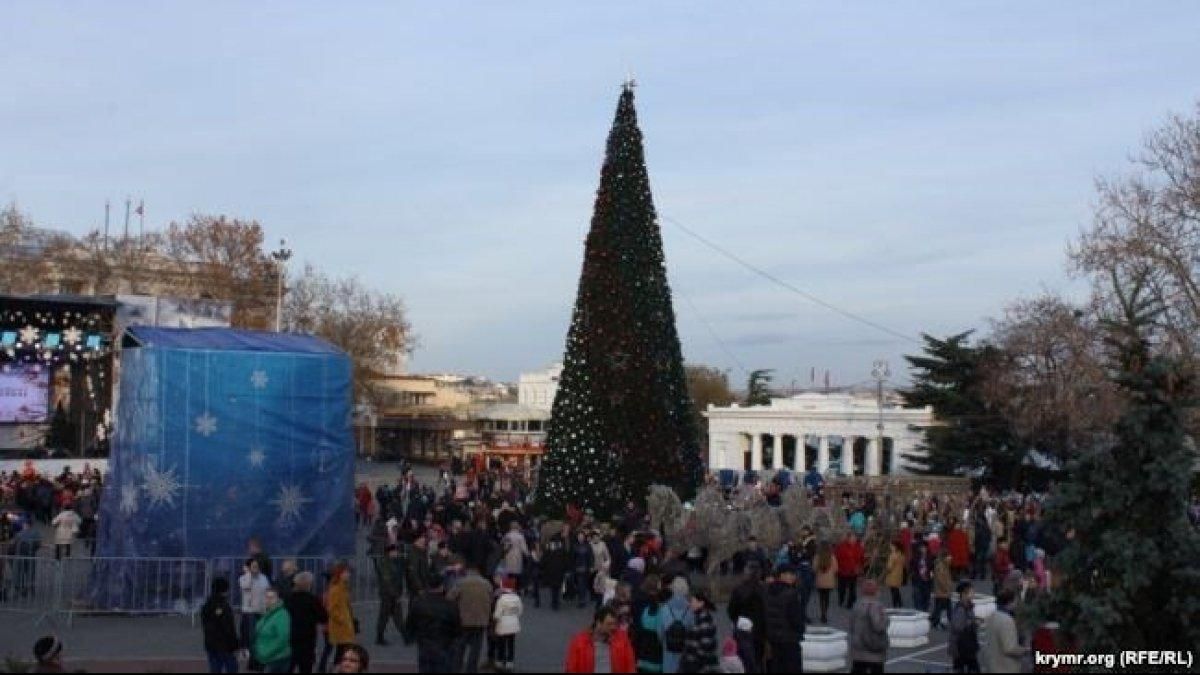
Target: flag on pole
<point x="141" y="209"/>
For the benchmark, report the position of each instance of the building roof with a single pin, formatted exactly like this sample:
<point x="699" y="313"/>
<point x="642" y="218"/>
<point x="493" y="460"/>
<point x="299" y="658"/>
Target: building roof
<point x="512" y="412"/>
<point x="62" y="299"/>
<point x="226" y="340"/>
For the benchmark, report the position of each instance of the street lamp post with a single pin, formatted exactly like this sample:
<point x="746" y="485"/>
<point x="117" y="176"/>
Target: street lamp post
<point x="280" y="257"/>
<point x="881" y="372"/>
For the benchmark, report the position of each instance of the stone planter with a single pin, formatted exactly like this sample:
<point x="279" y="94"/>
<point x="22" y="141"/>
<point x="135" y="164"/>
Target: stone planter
<point x="907" y="628"/>
<point x="824" y="649"/>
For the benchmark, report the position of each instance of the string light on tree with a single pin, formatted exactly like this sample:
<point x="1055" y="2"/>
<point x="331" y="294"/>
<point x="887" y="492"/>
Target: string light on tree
<point x="621" y="418"/>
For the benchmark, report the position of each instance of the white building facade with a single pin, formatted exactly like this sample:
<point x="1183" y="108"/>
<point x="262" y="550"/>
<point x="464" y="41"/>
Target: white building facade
<point x="837" y="433"/>
<point x="537" y="390"/>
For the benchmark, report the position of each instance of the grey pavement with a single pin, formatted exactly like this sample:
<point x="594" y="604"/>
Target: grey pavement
<point x="172" y="644"/>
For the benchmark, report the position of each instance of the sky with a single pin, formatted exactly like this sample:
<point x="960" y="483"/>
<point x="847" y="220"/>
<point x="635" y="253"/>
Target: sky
<point x="917" y="164"/>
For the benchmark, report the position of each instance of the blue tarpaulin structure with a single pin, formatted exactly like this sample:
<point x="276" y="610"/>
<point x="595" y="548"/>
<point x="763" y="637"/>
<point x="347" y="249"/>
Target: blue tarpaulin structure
<point x="222" y="435"/>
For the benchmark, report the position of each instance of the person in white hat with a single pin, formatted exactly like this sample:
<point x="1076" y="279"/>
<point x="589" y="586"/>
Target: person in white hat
<point x="747" y="652"/>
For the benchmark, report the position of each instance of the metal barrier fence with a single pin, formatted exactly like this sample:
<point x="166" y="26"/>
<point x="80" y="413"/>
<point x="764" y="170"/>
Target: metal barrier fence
<point x="132" y="586"/>
<point x="45" y="587"/>
<point x="29" y="585"/>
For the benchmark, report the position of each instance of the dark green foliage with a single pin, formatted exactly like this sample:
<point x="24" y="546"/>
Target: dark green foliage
<point x="758" y="388"/>
<point x="1130" y="576"/>
<point x="969" y="435"/>
<point x="622" y="419"/>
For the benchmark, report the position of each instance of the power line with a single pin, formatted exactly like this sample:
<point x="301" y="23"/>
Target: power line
<point x="780" y="282"/>
<point x="712" y="333"/>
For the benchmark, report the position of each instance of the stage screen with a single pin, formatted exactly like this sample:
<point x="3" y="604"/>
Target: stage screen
<point x="24" y="395"/>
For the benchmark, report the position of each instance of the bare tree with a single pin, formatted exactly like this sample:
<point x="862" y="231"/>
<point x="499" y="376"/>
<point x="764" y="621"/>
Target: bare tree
<point x="1147" y="227"/>
<point x="223" y="258"/>
<point x="1049" y="378"/>
<point x="370" y="326"/>
<point x="25" y="266"/>
<point x="707" y="385"/>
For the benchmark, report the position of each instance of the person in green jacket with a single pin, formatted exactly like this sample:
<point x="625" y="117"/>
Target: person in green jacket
<point x="273" y="636"/>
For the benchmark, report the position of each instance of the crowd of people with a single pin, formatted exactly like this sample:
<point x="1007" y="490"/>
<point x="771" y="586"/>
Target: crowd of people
<point x="68" y="503"/>
<point x="457" y="560"/>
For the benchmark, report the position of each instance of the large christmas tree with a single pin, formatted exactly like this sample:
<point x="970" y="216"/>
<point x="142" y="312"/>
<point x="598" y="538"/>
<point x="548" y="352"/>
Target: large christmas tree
<point x="622" y="419"/>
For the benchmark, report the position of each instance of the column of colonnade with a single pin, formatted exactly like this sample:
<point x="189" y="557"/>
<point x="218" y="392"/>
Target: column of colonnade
<point x="873" y="456"/>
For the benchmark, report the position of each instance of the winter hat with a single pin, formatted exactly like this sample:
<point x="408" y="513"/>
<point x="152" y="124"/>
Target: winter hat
<point x="637" y="564"/>
<point x="47" y="648"/>
<point x="745" y="624"/>
<point x="220" y="585"/>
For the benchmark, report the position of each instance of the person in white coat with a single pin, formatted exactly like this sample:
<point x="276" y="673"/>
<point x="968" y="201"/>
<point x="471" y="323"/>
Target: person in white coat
<point x="507" y="618"/>
<point x="254" y="586"/>
<point x="66" y="526"/>
<point x="515" y="550"/>
<point x="1002" y="651"/>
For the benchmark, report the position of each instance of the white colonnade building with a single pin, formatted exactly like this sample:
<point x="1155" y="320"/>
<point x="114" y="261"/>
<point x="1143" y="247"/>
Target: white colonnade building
<point x="838" y="433"/>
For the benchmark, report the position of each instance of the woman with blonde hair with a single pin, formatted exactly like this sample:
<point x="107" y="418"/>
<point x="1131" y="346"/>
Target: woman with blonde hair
<point x="342" y="624"/>
<point x="826" y="568"/>
<point x="894" y="576"/>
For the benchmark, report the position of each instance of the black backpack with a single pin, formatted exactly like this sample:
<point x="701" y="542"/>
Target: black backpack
<point x="676" y="635"/>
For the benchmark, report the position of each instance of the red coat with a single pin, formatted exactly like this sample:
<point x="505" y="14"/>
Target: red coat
<point x="850" y="558"/>
<point x="906" y="541"/>
<point x="581" y="653"/>
<point x="1001" y="564"/>
<point x="959" y="547"/>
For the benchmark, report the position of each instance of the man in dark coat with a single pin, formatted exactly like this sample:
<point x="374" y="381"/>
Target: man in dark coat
<point x="785" y="622"/>
<point x="307" y="614"/>
<point x="749" y="600"/>
<point x="433" y="622"/>
<point x="390" y="570"/>
<point x="220" y="634"/>
<point x="556" y="562"/>
<point x="420" y="571"/>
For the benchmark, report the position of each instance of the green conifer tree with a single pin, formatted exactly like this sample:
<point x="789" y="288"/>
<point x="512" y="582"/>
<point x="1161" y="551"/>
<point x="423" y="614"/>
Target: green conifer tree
<point x="969" y="435"/>
<point x="1128" y="576"/>
<point x="622" y="417"/>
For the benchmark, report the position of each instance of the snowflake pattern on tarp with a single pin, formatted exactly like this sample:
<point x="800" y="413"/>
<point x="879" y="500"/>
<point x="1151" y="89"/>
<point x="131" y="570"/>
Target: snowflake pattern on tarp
<point x="206" y="425"/>
<point x="161" y="487"/>
<point x="219" y="440"/>
<point x="129" y="500"/>
<point x="290" y="502"/>
<point x="256" y="457"/>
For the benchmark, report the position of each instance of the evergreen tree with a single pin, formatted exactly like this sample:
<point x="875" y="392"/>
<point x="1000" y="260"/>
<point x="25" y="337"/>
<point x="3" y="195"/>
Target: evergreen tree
<point x="1128" y="578"/>
<point x="758" y="388"/>
<point x="622" y="417"/>
<point x="969" y="435"/>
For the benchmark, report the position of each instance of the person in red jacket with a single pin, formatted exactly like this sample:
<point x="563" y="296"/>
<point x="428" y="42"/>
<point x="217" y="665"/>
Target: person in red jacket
<point x="1001" y="564"/>
<point x="959" y="547"/>
<point x="603" y="648"/>
<point x="850" y="560"/>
